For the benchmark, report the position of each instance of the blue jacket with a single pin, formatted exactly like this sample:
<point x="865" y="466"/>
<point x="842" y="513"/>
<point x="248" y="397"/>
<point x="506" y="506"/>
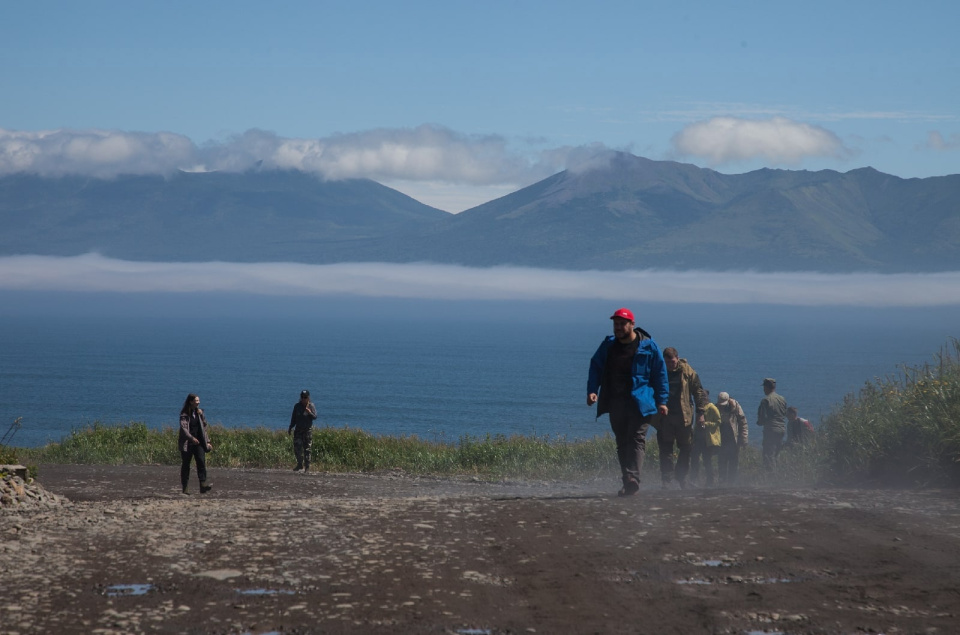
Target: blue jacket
<point x="650" y="385"/>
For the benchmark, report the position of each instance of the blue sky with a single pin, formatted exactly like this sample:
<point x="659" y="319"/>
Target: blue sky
<point x="456" y="103"/>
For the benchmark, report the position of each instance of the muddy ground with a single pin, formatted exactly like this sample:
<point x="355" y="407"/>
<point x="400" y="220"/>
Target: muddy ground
<point x="271" y="551"/>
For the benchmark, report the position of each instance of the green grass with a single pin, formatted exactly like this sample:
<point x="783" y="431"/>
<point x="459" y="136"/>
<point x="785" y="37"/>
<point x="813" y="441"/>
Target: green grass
<point x="352" y="450"/>
<point x="338" y="450"/>
<point x="901" y="430"/>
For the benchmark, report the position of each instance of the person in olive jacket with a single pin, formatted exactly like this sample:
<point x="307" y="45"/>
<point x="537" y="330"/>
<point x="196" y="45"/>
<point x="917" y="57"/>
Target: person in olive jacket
<point x="686" y="392"/>
<point x="772" y="417"/>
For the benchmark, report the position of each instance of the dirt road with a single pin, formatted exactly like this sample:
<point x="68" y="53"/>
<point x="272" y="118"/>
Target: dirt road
<point x="272" y="551"/>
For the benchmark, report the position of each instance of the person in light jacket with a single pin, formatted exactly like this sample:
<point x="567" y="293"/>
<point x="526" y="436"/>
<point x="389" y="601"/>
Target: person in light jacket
<point x="734" y="435"/>
<point x="194" y="443"/>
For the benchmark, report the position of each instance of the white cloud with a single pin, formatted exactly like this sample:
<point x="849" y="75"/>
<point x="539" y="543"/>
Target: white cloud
<point x="100" y="153"/>
<point x="426" y="153"/>
<point x="777" y="140"/>
<point x="96" y="273"/>
<point x="936" y="141"/>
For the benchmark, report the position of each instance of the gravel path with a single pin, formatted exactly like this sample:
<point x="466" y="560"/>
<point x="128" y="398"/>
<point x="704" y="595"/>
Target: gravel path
<point x="120" y="550"/>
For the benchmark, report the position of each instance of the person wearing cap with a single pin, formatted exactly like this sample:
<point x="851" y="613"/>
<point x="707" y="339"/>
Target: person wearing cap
<point x="301" y="426"/>
<point x="686" y="393"/>
<point x="772" y="417"/>
<point x="628" y="381"/>
<point x="733" y="435"/>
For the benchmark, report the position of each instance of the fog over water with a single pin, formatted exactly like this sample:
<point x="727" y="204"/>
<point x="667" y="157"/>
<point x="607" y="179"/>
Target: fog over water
<point x="93" y="272"/>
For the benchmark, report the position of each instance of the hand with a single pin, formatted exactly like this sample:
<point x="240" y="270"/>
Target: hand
<point x="591" y="399"/>
<point x="663" y="410"/>
<point x="209" y="447"/>
<point x="701" y="420"/>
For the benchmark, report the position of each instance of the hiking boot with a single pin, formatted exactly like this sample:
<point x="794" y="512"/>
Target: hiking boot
<point x="205" y="487"/>
<point x="299" y="468"/>
<point x="629" y="488"/>
<point x="186" y="489"/>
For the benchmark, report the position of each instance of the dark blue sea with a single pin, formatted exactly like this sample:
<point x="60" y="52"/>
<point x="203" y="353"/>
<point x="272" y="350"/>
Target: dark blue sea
<point x="435" y="369"/>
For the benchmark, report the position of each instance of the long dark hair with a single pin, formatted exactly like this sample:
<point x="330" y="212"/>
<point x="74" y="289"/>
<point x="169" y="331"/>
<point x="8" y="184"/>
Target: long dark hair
<point x="188" y="404"/>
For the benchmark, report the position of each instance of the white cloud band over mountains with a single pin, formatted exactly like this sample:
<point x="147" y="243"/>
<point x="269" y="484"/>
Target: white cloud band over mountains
<point x="425" y="153"/>
<point x="95" y="273"/>
<point x="428" y="153"/>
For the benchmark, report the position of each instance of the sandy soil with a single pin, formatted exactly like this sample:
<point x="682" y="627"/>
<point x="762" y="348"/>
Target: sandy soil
<point x="271" y="551"/>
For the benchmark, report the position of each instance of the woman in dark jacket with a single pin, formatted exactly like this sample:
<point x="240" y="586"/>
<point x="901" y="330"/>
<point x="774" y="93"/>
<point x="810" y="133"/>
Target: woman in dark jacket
<point x="193" y="443"/>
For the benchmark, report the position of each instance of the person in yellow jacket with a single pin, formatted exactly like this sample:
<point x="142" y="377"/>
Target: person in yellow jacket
<point x="711" y="436"/>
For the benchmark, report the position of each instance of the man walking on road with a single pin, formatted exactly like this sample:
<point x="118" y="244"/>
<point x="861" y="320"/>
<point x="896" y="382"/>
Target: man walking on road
<point x="772" y="417"/>
<point x="677" y="426"/>
<point x="301" y="426"/>
<point x="628" y="380"/>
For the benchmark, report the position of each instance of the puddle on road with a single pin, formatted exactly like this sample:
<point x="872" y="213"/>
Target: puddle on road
<point x="735" y="580"/>
<point x="118" y="590"/>
<point x="265" y="592"/>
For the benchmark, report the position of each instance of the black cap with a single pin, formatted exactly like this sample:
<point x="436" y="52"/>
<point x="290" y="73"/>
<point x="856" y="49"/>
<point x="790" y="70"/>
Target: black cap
<point x="304" y="393"/>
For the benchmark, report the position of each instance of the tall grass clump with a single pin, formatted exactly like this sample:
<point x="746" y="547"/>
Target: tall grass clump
<point x="340" y="450"/>
<point x="902" y="430"/>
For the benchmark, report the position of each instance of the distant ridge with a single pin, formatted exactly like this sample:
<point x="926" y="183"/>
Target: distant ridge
<point x="200" y="216"/>
<point x="639" y="213"/>
<point x="629" y="212"/>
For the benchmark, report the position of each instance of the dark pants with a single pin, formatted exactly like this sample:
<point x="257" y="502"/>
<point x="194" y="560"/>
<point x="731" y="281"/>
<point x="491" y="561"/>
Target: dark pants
<point x="728" y="459"/>
<point x="772" y="444"/>
<point x="709" y="452"/>
<point x="630" y="431"/>
<point x="199" y="453"/>
<point x="674" y="429"/>
<point x="698" y="452"/>
<point x="302" y="442"/>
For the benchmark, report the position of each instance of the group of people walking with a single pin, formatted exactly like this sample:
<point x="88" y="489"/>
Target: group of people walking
<point x="640" y="386"/>
<point x="194" y="440"/>
<point x="632" y="381"/>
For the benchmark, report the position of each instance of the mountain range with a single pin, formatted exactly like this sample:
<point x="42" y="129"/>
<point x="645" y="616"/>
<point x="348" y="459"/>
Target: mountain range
<point x="626" y="212"/>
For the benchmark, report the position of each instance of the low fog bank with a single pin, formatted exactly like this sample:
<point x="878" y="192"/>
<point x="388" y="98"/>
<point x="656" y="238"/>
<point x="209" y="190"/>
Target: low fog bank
<point x="365" y="312"/>
<point x="279" y="282"/>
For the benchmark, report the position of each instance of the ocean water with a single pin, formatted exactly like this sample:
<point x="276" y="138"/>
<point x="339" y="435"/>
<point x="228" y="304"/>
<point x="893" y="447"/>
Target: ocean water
<point x="436" y="370"/>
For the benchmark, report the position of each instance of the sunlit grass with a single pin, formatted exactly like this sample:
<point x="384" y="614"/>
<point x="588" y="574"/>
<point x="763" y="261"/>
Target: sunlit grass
<point x="338" y="450"/>
<point x="901" y="430"/>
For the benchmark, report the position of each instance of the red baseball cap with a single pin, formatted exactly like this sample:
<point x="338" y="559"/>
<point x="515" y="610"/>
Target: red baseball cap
<point x="626" y="314"/>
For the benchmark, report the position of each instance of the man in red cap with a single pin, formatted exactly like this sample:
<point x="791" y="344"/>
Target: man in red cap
<point x="629" y="368"/>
